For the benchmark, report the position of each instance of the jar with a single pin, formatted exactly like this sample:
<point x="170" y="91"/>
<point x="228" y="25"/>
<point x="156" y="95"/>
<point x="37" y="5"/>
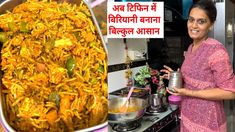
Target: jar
<point x="175" y="80"/>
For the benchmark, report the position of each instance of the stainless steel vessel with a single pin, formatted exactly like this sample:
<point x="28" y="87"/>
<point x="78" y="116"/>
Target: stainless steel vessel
<point x="117" y="102"/>
<point x="8" y="5"/>
<point x="175" y="80"/>
<point x="157" y="101"/>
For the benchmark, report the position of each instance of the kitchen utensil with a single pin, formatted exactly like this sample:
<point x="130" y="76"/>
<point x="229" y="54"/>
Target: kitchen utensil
<point x="8" y="5"/>
<point x="156" y="101"/>
<point x="125" y="106"/>
<point x="175" y="100"/>
<point x="117" y="102"/>
<point x="175" y="80"/>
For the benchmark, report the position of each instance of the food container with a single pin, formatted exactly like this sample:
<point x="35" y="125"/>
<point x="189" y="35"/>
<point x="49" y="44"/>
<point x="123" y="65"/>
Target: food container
<point x="174" y="100"/>
<point x="116" y="103"/>
<point x="175" y="80"/>
<point x="157" y="101"/>
<point x="9" y="5"/>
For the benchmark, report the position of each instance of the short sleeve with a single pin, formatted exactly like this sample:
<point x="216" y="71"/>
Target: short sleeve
<point x="222" y="70"/>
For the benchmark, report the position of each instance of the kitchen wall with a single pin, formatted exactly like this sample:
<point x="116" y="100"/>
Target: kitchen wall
<point x="117" y="55"/>
<point x="116" y="49"/>
<point x="117" y="80"/>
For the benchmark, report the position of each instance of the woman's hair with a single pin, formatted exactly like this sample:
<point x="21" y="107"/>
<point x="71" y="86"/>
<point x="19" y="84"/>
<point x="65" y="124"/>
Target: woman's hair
<point x="208" y="6"/>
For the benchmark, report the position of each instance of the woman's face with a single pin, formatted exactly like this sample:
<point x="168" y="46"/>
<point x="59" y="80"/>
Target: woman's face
<point x="198" y="24"/>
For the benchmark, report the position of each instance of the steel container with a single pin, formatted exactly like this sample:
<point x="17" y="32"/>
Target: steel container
<point x="157" y="101"/>
<point x="118" y="102"/>
<point x="8" y="5"/>
<point x="175" y="80"/>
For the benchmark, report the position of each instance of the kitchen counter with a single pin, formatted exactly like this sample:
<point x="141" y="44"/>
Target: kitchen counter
<point x="159" y="122"/>
<point x="173" y="126"/>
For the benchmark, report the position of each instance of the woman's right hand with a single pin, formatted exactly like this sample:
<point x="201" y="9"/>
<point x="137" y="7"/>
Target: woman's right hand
<point x="167" y="72"/>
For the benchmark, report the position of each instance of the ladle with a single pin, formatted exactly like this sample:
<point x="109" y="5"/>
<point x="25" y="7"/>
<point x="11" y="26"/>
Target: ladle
<point x="124" y="108"/>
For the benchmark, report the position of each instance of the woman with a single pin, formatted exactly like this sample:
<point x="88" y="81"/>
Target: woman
<point x="207" y="73"/>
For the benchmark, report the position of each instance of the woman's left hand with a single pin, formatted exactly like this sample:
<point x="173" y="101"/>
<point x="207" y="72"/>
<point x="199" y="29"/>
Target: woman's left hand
<point x="179" y="91"/>
<point x="209" y="93"/>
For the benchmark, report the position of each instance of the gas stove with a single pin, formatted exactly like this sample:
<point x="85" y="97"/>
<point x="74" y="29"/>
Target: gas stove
<point x="154" y="120"/>
<point x="149" y="122"/>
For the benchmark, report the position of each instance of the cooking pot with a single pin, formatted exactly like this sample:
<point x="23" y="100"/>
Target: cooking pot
<point x="8" y="5"/>
<point x="139" y="106"/>
<point x="157" y="102"/>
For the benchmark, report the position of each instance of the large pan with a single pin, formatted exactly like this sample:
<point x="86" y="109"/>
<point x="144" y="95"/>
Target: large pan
<point x="8" y="5"/>
<point x="139" y="105"/>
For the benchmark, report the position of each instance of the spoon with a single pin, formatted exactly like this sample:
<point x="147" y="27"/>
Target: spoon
<point x="123" y="109"/>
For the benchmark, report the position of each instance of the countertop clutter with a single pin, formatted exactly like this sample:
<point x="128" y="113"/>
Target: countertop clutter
<point x="158" y="120"/>
<point x="161" y="122"/>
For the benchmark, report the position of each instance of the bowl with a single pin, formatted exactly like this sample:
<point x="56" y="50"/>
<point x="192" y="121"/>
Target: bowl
<point x="137" y="105"/>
